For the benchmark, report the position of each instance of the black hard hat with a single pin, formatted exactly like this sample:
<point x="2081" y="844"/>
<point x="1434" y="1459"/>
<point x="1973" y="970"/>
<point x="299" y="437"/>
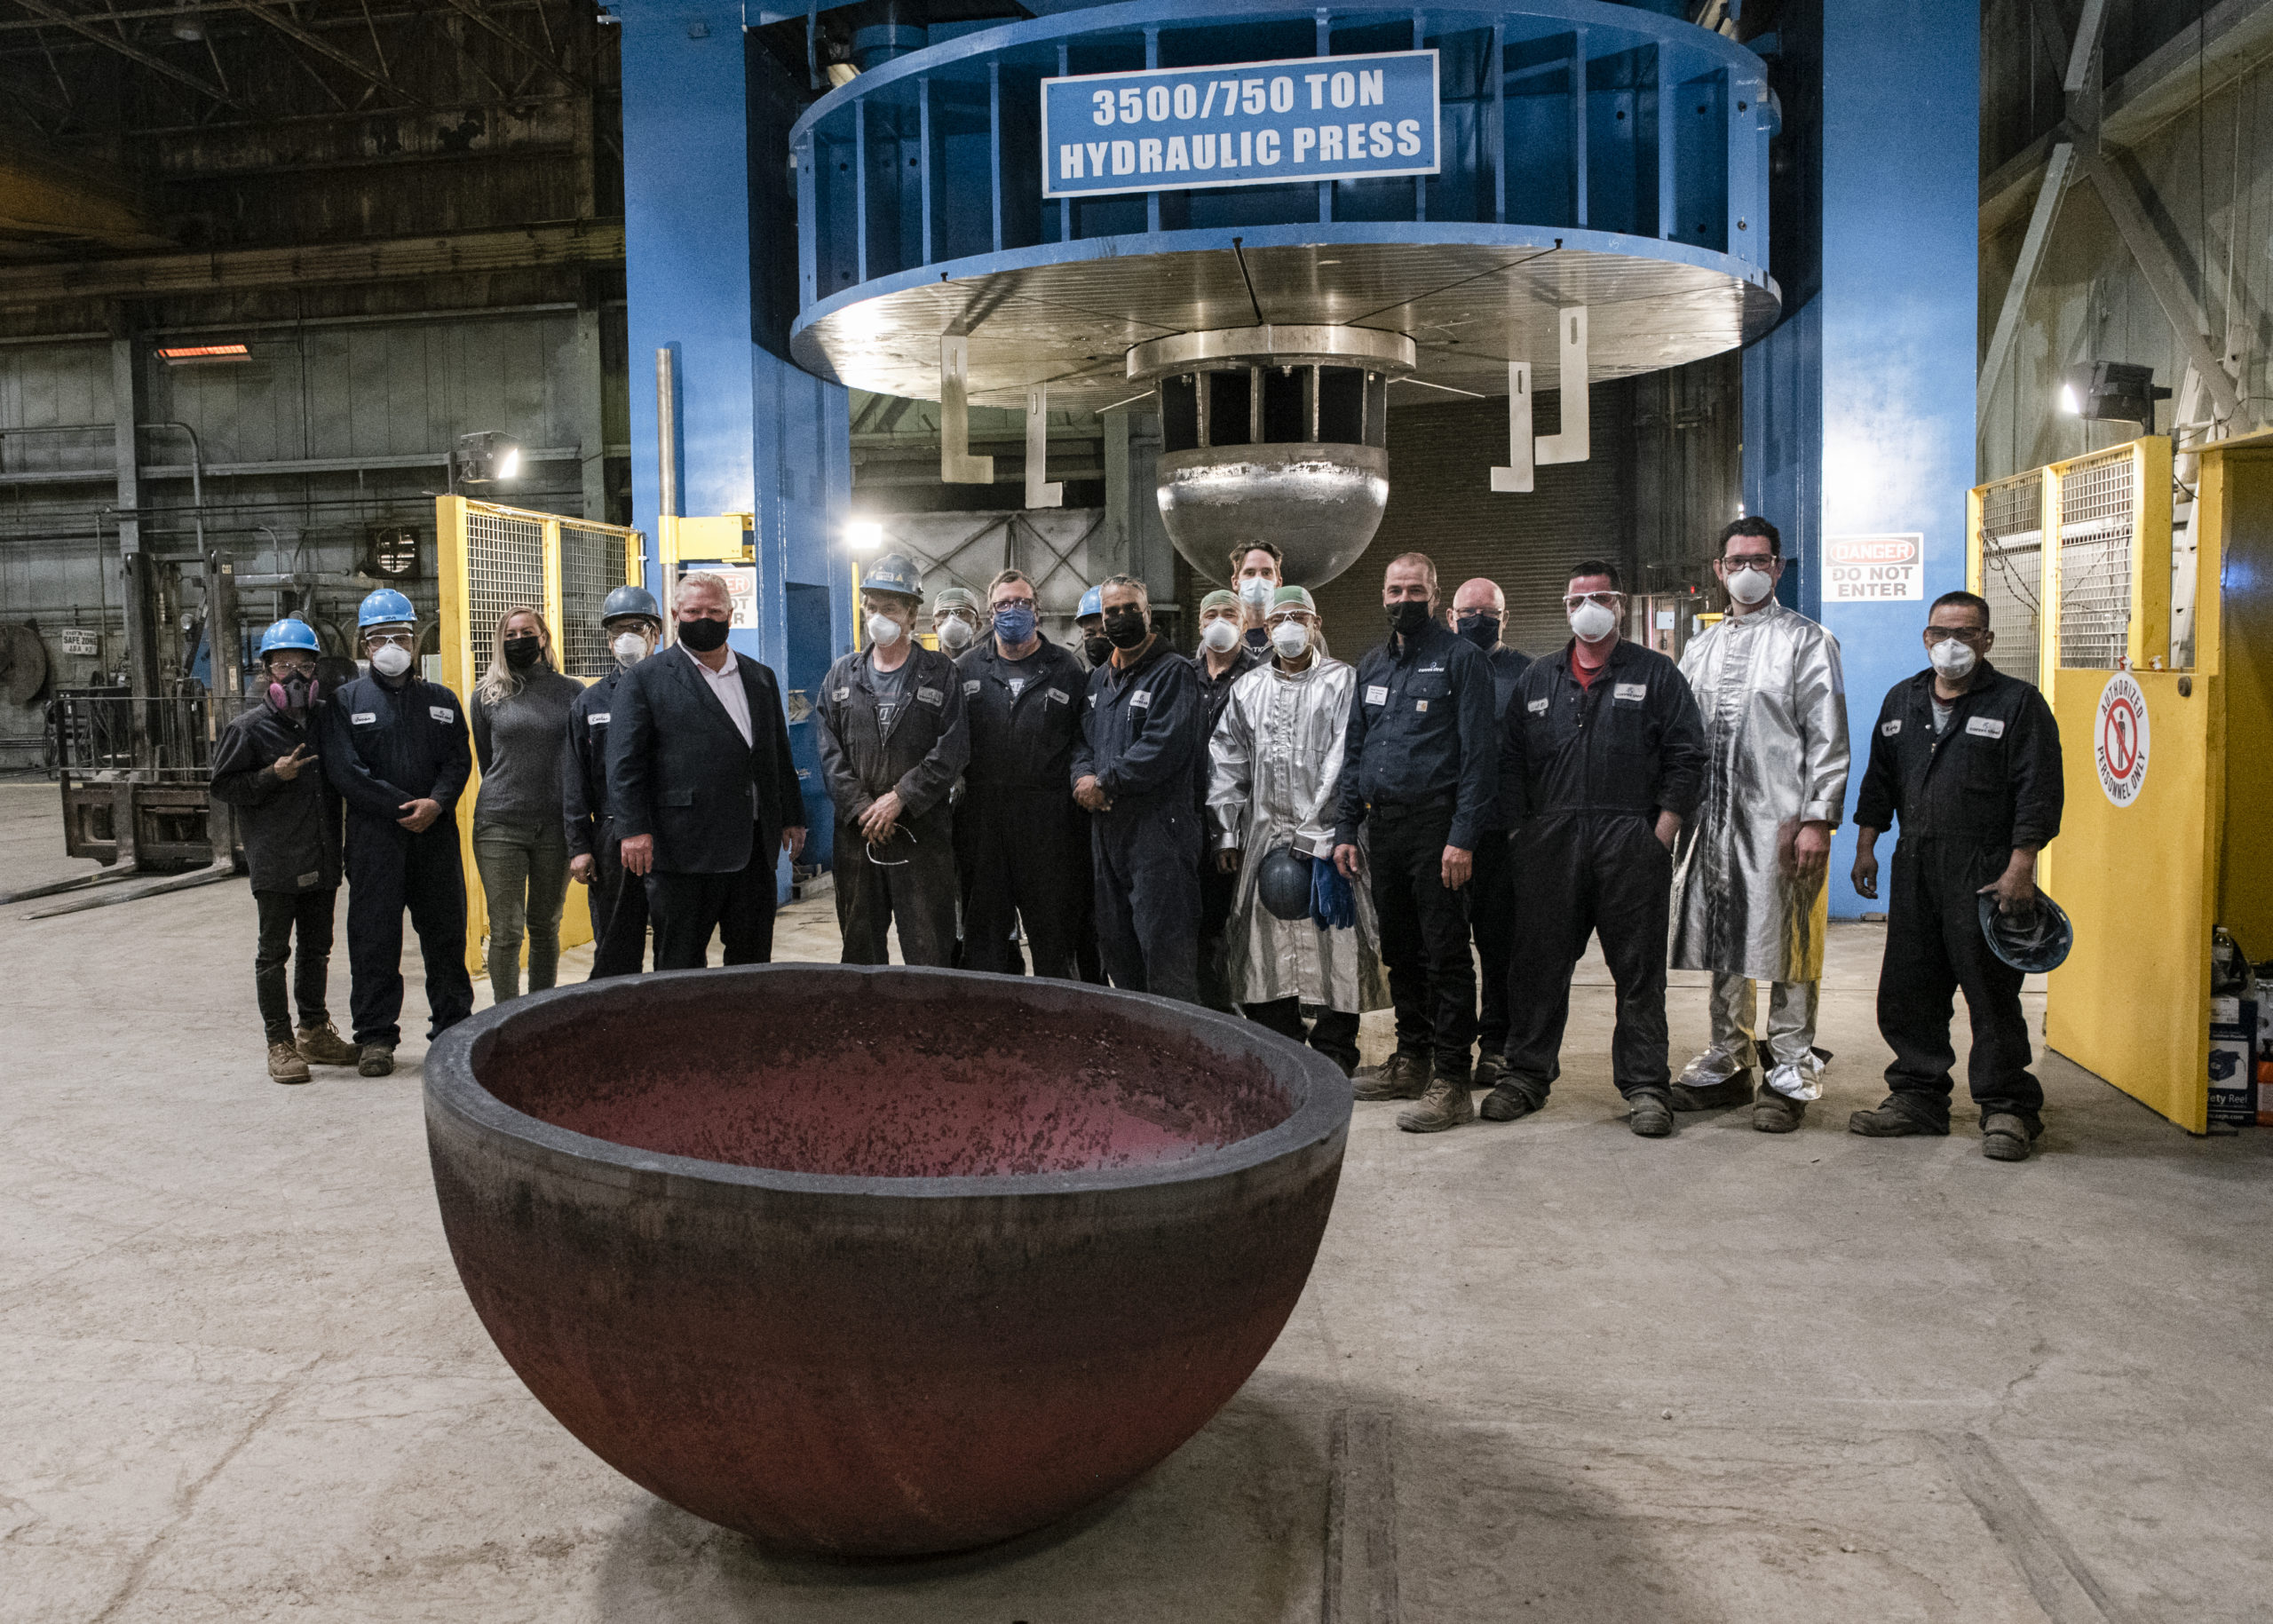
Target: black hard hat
<point x="2032" y="941"/>
<point x="627" y="601"/>
<point x="1285" y="884"/>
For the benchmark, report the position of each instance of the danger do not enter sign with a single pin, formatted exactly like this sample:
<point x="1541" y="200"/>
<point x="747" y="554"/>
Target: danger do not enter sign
<point x="1861" y="569"/>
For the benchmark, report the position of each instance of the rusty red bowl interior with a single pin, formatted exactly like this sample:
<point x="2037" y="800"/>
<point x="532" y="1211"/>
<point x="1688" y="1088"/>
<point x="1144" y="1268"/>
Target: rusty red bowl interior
<point x="879" y="1262"/>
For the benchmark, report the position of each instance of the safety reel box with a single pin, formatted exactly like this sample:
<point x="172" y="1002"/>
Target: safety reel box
<point x="2233" y="1072"/>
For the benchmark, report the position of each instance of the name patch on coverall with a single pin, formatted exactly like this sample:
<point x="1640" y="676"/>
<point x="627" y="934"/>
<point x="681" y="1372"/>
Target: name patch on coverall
<point x="1632" y="692"/>
<point x="442" y="713"/>
<point x="1985" y="727"/>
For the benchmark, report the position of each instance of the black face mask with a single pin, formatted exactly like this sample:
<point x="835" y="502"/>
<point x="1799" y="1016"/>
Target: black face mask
<point x="1482" y="631"/>
<point x="1406" y="616"/>
<point x="1126" y="628"/>
<point x="702" y="636"/>
<point x="521" y="653"/>
<point x="1097" y="646"/>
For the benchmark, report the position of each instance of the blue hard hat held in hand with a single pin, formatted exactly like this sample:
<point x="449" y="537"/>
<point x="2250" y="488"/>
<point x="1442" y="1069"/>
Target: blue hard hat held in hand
<point x="386" y="607"/>
<point x="2034" y="940"/>
<point x="627" y="601"/>
<point x="289" y="633"/>
<point x="1284" y="885"/>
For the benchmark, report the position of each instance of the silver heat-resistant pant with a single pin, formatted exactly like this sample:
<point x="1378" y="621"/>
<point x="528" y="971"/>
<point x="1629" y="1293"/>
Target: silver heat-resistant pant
<point x="1797" y="1070"/>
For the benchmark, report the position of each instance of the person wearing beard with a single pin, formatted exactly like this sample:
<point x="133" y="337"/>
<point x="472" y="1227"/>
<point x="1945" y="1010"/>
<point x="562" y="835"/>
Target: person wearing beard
<point x="1258" y="570"/>
<point x="1602" y="759"/>
<point x="521" y="848"/>
<point x="1135" y="774"/>
<point x="268" y="767"/>
<point x="394" y="745"/>
<point x="1419" y="769"/>
<point x="632" y="624"/>
<point x="1479" y="610"/>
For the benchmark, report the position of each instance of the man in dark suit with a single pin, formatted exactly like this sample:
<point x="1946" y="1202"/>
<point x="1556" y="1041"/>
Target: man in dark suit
<point x="702" y="787"/>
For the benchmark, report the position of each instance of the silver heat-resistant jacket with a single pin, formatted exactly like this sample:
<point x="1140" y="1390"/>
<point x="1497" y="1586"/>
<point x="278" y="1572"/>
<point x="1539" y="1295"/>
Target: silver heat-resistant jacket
<point x="1774" y="702"/>
<point x="1274" y="773"/>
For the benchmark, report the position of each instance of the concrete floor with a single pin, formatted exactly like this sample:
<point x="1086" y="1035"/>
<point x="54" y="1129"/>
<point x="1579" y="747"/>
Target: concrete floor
<point x="1546" y="1370"/>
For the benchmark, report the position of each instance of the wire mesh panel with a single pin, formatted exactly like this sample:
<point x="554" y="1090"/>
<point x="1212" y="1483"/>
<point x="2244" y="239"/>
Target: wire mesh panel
<point x="593" y="562"/>
<point x="2098" y="513"/>
<point x="2012" y="570"/>
<point x="504" y="566"/>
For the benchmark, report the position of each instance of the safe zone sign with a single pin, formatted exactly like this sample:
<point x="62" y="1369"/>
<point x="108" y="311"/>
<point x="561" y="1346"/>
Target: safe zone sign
<point x="1864" y="569"/>
<point x="1242" y="124"/>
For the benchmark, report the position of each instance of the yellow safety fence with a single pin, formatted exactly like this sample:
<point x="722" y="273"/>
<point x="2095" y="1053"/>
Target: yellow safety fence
<point x="2159" y="840"/>
<point x="492" y="559"/>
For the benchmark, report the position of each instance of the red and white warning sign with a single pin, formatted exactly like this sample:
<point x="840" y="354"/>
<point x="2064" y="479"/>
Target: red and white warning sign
<point x="1864" y="569"/>
<point x="2119" y="739"/>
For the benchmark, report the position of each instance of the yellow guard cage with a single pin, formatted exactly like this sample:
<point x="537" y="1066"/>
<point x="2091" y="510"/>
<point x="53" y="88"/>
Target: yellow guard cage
<point x="492" y="559"/>
<point x="2156" y="666"/>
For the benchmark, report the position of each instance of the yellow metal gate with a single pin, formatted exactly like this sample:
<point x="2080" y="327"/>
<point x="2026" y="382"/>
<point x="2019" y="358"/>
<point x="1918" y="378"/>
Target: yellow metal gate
<point x="493" y="559"/>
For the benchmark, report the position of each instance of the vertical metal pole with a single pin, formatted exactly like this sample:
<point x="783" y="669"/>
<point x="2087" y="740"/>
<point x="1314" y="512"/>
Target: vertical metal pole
<point x="591" y="410"/>
<point x="1064" y="204"/>
<point x="1578" y="128"/>
<point x="1500" y="123"/>
<point x="666" y="433"/>
<point x="994" y="144"/>
<point x="141" y="635"/>
<point x="1322" y="46"/>
<point x="923" y="161"/>
<point x="1668" y="196"/>
<point x="1041" y="493"/>
<point x="1151" y="198"/>
<point x="1517" y="476"/>
<point x="859" y="191"/>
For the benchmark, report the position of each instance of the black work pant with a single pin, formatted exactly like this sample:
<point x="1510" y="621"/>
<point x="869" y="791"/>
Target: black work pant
<point x="283" y="914"/>
<point x="1147" y="893"/>
<point x="619" y="910"/>
<point x="1334" y="1034"/>
<point x="1022" y="859"/>
<point x="1086" y="957"/>
<point x="1492" y="922"/>
<point x="1218" y="891"/>
<point x="1934" y="949"/>
<point x="739" y="906"/>
<point x="1588" y="874"/>
<point x="388" y="869"/>
<point x="1424" y="934"/>
<point x="910" y="880"/>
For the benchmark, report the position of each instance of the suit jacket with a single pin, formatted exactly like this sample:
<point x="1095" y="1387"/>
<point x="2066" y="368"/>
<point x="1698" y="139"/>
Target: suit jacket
<point x="677" y="768"/>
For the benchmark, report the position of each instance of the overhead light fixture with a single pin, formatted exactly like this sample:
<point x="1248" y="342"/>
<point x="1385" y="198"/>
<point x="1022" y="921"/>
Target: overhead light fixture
<point x="188" y="26"/>
<point x="2110" y="392"/>
<point x="863" y="535"/>
<point x="191" y="354"/>
<point x="486" y="457"/>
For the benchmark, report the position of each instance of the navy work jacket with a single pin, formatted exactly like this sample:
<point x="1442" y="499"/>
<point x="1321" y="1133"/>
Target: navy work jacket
<point x="1422" y="731"/>
<point x="384" y="746"/>
<point x="1992" y="780"/>
<point x="1022" y="738"/>
<point x="1632" y="743"/>
<point x="1140" y="733"/>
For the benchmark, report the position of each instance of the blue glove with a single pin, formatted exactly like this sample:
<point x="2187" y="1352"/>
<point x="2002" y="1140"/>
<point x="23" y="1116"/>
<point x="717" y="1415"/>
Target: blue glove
<point x="1334" y="905"/>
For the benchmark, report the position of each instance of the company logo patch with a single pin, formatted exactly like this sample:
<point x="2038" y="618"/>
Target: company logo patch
<point x="842" y="693"/>
<point x="930" y="696"/>
<point x="1419" y="704"/>
<point x="1985" y="727"/>
<point x="442" y="713"/>
<point x="1632" y="692"/>
<point x="1537" y="707"/>
<point x="971" y="686"/>
<point x="1141" y="699"/>
<point x="1376" y="694"/>
<point x="1886" y="730"/>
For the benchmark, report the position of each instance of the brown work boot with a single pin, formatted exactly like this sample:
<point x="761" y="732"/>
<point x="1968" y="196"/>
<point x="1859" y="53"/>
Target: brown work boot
<point x="378" y="1060"/>
<point x="285" y="1064"/>
<point x="1446" y="1104"/>
<point x="1405" y="1077"/>
<point x="1774" y="1113"/>
<point x="324" y="1046"/>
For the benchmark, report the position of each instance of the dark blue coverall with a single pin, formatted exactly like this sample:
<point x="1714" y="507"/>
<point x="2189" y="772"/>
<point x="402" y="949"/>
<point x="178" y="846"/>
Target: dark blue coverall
<point x="384" y="745"/>
<point x="619" y="910"/>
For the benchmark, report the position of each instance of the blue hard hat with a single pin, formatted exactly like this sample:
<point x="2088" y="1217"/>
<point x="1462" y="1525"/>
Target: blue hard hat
<point x="895" y="572"/>
<point x="1092" y="603"/>
<point x="626" y="601"/>
<point x="386" y="607"/>
<point x="2034" y="942"/>
<point x="1284" y="885"/>
<point x="289" y="633"/>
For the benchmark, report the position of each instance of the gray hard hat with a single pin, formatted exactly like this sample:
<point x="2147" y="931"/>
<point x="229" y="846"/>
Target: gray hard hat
<point x="627" y="601"/>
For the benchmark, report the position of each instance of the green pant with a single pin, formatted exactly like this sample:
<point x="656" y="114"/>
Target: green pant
<point x="525" y="876"/>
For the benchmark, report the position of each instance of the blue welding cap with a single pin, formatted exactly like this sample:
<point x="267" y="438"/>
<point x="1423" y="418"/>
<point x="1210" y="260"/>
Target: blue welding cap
<point x="895" y="572"/>
<point x="386" y="607"/>
<point x="1092" y="603"/>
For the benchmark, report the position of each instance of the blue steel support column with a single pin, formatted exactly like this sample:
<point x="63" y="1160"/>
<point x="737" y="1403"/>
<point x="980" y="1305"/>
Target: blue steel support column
<point x="1859" y="407"/>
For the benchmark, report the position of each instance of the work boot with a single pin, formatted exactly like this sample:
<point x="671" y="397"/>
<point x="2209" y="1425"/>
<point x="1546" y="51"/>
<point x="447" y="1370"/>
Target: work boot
<point x="324" y="1046"/>
<point x="285" y="1065"/>
<point x="1491" y="1066"/>
<point x="2006" y="1136"/>
<point x="1446" y="1104"/>
<point x="377" y="1061"/>
<point x="1774" y="1113"/>
<point x="1714" y="1096"/>
<point x="1405" y="1077"/>
<point x="1509" y="1102"/>
<point x="1651" y="1116"/>
<point x="1893" y="1119"/>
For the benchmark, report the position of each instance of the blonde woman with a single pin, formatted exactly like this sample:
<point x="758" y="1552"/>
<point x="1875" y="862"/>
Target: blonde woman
<point x="520" y="721"/>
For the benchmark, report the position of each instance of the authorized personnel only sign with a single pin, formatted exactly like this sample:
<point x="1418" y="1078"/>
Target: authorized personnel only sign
<point x="1863" y="569"/>
<point x="2120" y="739"/>
<point x="1307" y="118"/>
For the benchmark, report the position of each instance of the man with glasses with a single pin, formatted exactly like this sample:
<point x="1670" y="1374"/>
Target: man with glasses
<point x="1479" y="611"/>
<point x="1022" y="846"/>
<point x="266" y="767"/>
<point x="1749" y="899"/>
<point x="1602" y="758"/>
<point x="893" y="741"/>
<point x="1968" y="759"/>
<point x="1420" y="766"/>
<point x="955" y="620"/>
<point x="396" y="748"/>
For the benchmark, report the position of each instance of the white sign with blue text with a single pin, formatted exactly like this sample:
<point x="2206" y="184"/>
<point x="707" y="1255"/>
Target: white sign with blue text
<point x="1240" y="125"/>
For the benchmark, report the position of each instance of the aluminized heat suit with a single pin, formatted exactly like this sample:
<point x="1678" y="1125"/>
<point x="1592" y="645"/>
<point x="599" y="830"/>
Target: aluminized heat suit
<point x="1274" y="777"/>
<point x="1774" y="703"/>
